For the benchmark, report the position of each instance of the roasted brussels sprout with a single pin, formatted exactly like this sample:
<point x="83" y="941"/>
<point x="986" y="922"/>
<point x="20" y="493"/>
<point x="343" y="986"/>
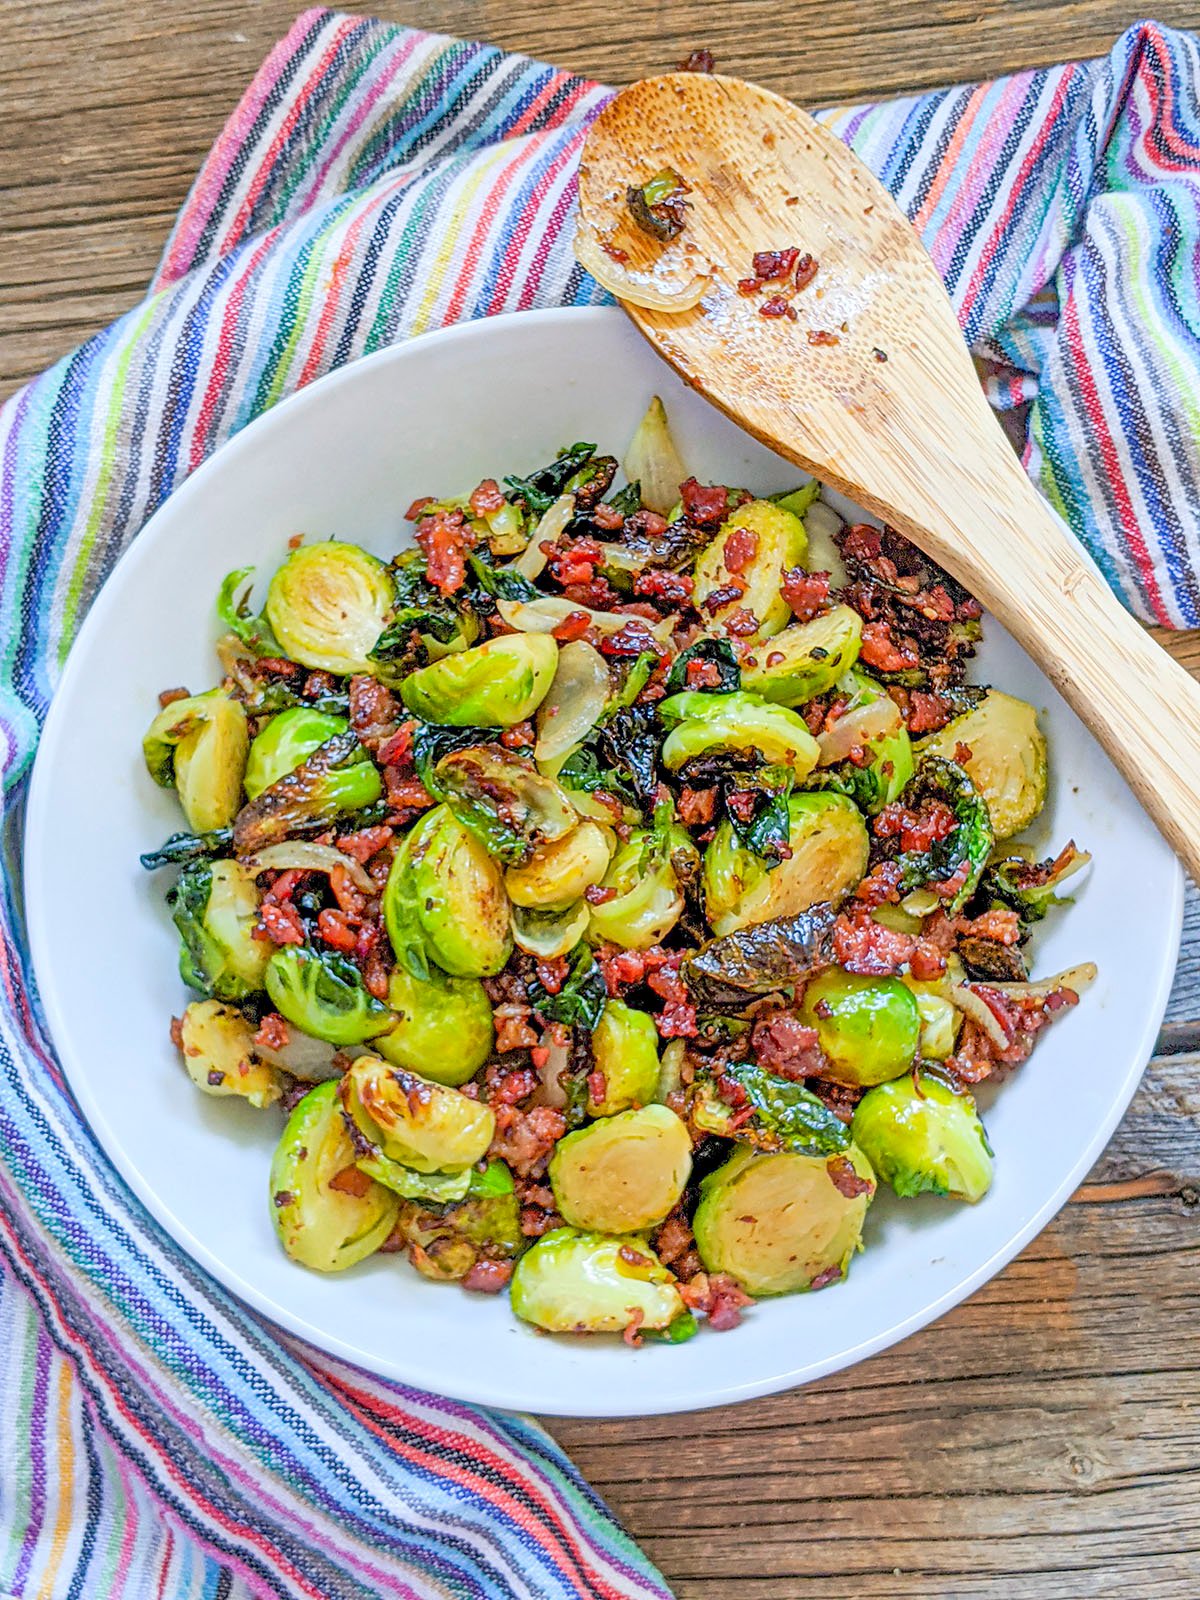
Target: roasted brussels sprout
<point x="507" y="804"/>
<point x="557" y="874"/>
<point x="199" y="745"/>
<point x="828" y="842"/>
<point x="625" y="1048"/>
<point x="420" y="1124"/>
<point x="286" y="743"/>
<point x="214" y="904"/>
<point x="492" y="685"/>
<point x="339" y="776"/>
<point x="870" y="723"/>
<point x="769" y="540"/>
<point x="1007" y="763"/>
<point x="868" y="1028"/>
<point x="623" y="1173"/>
<point x="702" y="723"/>
<point x="445" y="901"/>
<point x="553" y="931"/>
<point x="1030" y="888"/>
<point x="218" y="1051"/>
<point x="327" y="1214"/>
<point x="779" y="1223"/>
<point x="646" y="873"/>
<point x="443" y="1028"/>
<point x="925" y="1138"/>
<point x="327" y="605"/>
<point x="961" y="854"/>
<point x="729" y="974"/>
<point x="573" y="1282"/>
<point x="774" y="1113"/>
<point x="806" y="659"/>
<point x="323" y="993"/>
<point x="444" y="1244"/>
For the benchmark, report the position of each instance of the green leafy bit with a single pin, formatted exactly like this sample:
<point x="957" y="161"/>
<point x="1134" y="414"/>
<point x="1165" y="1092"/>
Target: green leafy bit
<point x="969" y="843"/>
<point x="182" y="848"/>
<point x="771" y="1113"/>
<point x="542" y="488"/>
<point x="717" y="653"/>
<point x="252" y="628"/>
<point x="581" y="999"/>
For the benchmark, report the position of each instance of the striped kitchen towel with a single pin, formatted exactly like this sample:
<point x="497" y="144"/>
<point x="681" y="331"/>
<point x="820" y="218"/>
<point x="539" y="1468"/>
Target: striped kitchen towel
<point x="375" y="182"/>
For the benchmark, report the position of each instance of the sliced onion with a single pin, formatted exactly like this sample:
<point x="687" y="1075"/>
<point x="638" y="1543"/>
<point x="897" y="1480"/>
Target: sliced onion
<point x="1077" y="979"/>
<point x="653" y="461"/>
<point x="306" y="857"/>
<point x="531" y="563"/>
<point x="548" y="612"/>
<point x="576" y="700"/>
<point x="671" y="283"/>
<point x="552" y="1092"/>
<point x="237" y="663"/>
<point x="858" y="727"/>
<point x="303" y="1056"/>
<point x="821" y="523"/>
<point x="962" y="996"/>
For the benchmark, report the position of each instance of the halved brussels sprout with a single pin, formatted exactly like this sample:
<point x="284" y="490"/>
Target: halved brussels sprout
<point x="625" y="1049"/>
<point x="868" y="1028"/>
<point x="780" y="1223"/>
<point x="327" y="605"/>
<point x="779" y="542"/>
<point x="506" y="803"/>
<point x="218" y="1051"/>
<point x="550" y="931"/>
<point x="774" y="1113"/>
<point x="573" y="1282"/>
<point x="322" y="1221"/>
<point x="444" y="1026"/>
<point x="287" y="741"/>
<point x="323" y="993"/>
<point x="199" y="745"/>
<point x="871" y="721"/>
<point x="1008" y="761"/>
<point x="806" y="659"/>
<point x="485" y="1223"/>
<point x="420" y="1124"/>
<point x="702" y="723"/>
<point x="623" y="1173"/>
<point x="445" y="901"/>
<point x="492" y="685"/>
<point x="558" y="873"/>
<point x="924" y="1138"/>
<point x="433" y="1188"/>
<point x="337" y="777"/>
<point x="649" y="900"/>
<point x="829" y="846"/>
<point x="214" y="904"/>
<point x="940" y="1021"/>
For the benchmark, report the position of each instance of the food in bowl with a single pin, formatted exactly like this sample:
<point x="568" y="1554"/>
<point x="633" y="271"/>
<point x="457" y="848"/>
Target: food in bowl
<point x="611" y="890"/>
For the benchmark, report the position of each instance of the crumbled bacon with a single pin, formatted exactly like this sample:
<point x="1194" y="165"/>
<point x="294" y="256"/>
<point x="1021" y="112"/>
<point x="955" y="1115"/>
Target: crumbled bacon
<point x="512" y="1028"/>
<point x="806" y="271"/>
<point x="777" y="306"/>
<point x="444" y="541"/>
<point x="883" y="652"/>
<point x="670" y="588"/>
<point x="488" y="498"/>
<point x="845" y="1179"/>
<point x="782" y="1044"/>
<point x="716" y="1296"/>
<point x="281" y="923"/>
<point x="630" y="1334"/>
<point x="822" y="336"/>
<point x="336" y="930"/>
<point x="351" y="1180"/>
<point x="807" y="593"/>
<point x="364" y="844"/>
<point x="698" y="61"/>
<point x="697" y="806"/>
<point x="374" y="710"/>
<point x="573" y="626"/>
<point x="918" y="830"/>
<point x="740" y="549"/>
<point x="772" y="266"/>
<point x="704" y="505"/>
<point x="177" y="1032"/>
<point x="168" y="697"/>
<point x="552" y="973"/>
<point x="486" y="1276"/>
<point x="524" y="1139"/>
<point x="824" y="1279"/>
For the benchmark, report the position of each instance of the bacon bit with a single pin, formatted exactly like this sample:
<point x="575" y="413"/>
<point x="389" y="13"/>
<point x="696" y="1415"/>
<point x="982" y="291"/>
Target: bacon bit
<point x="962" y="753"/>
<point x="622" y="970"/>
<point x="1001" y="924"/>
<point x="634" y="639"/>
<point x="917" y="830"/>
<point x="607" y="518"/>
<point x="677" y="1020"/>
<point x="806" y="271"/>
<point x="741" y="623"/>
<point x="637" y="1316"/>
<point x="417" y="509"/>
<point x="742" y="803"/>
<point x="702" y="674"/>
<point x="782" y="1044"/>
<point x="336" y="930"/>
<point x="507" y="1086"/>
<point x="598" y="895"/>
<point x="807" y="593"/>
<point x="539" y="1055"/>
<point x="177" y="1032"/>
<point x="443" y="540"/>
<point x="880" y="355"/>
<point x="573" y="626"/>
<point x="524" y="1139"/>
<point x="698" y="61"/>
<point x="822" y="336"/>
<point x="168" y="697"/>
<point x="748" y="286"/>
<point x="364" y="844"/>
<point x="947" y="888"/>
<point x="487" y="1276"/>
<point x="772" y="266"/>
<point x="886" y="654"/>
<point x="717" y="1297"/>
<point x="824" y="1279"/>
<point x="281" y="1198"/>
<point x="487" y="498"/>
<point x="725" y="595"/>
<point x="926" y="963"/>
<point x="845" y="1179"/>
<point x="405" y="793"/>
<point x="704" y="506"/>
<point x="282" y="923"/>
<point x="597" y="1088"/>
<point x="614" y="251"/>
<point x="512" y="1029"/>
<point x="925" y="713"/>
<point x="552" y="973"/>
<point x="351" y="1180"/>
<point x="396" y="750"/>
<point x="864" y="946"/>
<point x="519" y="736"/>
<point x="671" y="588"/>
<point x="697" y="806"/>
<point x="777" y="306"/>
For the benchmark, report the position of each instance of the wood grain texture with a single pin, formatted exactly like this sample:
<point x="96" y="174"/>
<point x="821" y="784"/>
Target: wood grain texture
<point x="1042" y="1442"/>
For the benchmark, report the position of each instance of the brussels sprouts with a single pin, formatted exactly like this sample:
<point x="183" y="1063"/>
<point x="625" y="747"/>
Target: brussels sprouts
<point x="324" y="995"/>
<point x="444" y="1244"/>
<point x="829" y="846"/>
<point x="573" y="1282"/>
<point x="420" y="1124"/>
<point x="218" y="1051"/>
<point x="940" y="1021"/>
<point x="1007" y="763"/>
<point x="444" y="1027"/>
<point x="965" y="849"/>
<point x="645" y="872"/>
<point x="806" y="659"/>
<point x="925" y="1138"/>
<point x="322" y="1221"/>
<point x="868" y="1028"/>
<point x="215" y="907"/>
<point x="559" y="873"/>
<point x="702" y="723"/>
<point x="625" y="1049"/>
<point x="434" y="1188"/>
<point x="507" y="804"/>
<point x="552" y="931"/>
<point x="1030" y="888"/>
<point x="799" y="502"/>
<point x="779" y="1223"/>
<point x="731" y="973"/>
<point x="777" y="1114"/>
<point x="287" y="741"/>
<point x="780" y="542"/>
<point x="579" y="1001"/>
<point x="889" y="766"/>
<point x="492" y="685"/>
<point x="623" y="1173"/>
<point x="445" y="901"/>
<point x="199" y="745"/>
<point x="338" y="776"/>
<point x="327" y="605"/>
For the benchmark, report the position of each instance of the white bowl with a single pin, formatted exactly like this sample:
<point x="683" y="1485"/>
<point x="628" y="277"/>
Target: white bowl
<point x="346" y="457"/>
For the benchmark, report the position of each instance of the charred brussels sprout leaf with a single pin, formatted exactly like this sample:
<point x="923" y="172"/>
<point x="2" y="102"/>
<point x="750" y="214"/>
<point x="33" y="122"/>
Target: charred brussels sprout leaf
<point x="572" y="1282"/>
<point x="580" y="1001"/>
<point x="658" y="205"/>
<point x="338" y="777"/>
<point x="445" y="1242"/>
<point x="542" y="488"/>
<point x="215" y="907"/>
<point x="730" y="973"/>
<point x="628" y="745"/>
<point x="286" y="743"/>
<point x="701" y="723"/>
<point x="328" y="603"/>
<point x="786" y="1116"/>
<point x="324" y="995"/>
<point x="502" y="583"/>
<point x="970" y="842"/>
<point x="506" y="803"/>
<point x="253" y="630"/>
<point x="715" y="653"/>
<point x="183" y="848"/>
<point x="924" y="1138"/>
<point x="1030" y="888"/>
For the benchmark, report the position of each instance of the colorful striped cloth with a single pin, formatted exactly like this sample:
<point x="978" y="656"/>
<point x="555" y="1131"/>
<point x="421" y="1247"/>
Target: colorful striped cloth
<point x="375" y="182"/>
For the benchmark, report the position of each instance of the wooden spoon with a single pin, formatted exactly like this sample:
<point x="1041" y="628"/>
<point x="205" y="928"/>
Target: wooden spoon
<point x="871" y="389"/>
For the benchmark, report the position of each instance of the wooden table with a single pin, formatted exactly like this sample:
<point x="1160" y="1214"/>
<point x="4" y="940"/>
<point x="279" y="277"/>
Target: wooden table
<point x="1042" y="1442"/>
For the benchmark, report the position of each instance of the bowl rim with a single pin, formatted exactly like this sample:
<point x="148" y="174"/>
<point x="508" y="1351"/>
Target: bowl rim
<point x="471" y="1390"/>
